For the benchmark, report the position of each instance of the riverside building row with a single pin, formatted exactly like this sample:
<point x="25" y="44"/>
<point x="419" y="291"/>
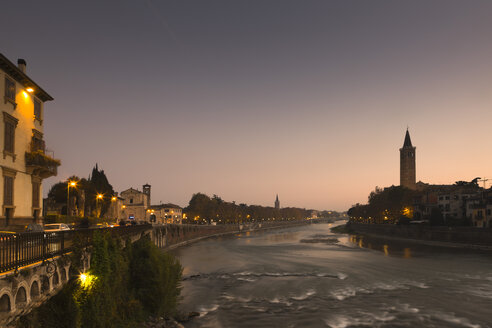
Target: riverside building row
<point x="134" y="205"/>
<point x="460" y="204"/>
<point x="131" y="205"/>
<point x="461" y="201"/>
<point x="24" y="160"/>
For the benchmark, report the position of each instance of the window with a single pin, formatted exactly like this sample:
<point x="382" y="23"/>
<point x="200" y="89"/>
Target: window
<point x="37" y="109"/>
<point x="131" y="200"/>
<point x="9" y="90"/>
<point x="8" y="191"/>
<point x="36" y="186"/>
<point x="37" y="142"/>
<point x="9" y="134"/>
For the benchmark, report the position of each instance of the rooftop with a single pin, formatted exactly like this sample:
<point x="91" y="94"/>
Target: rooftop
<point x="13" y="71"/>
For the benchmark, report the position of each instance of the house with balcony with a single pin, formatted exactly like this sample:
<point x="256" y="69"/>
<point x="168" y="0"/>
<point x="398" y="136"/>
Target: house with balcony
<point x="23" y="159"/>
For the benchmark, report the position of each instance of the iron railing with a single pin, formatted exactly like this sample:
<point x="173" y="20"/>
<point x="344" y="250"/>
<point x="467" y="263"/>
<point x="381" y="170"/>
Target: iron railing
<point x="21" y="249"/>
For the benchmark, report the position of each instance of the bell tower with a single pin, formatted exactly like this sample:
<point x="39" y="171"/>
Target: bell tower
<point x="146" y="191"/>
<point x="407" y="164"/>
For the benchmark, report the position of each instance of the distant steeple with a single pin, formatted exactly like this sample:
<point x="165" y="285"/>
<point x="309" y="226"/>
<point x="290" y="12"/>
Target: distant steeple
<point x="277" y="203"/>
<point x="407" y="164"/>
<point x="407" y="142"/>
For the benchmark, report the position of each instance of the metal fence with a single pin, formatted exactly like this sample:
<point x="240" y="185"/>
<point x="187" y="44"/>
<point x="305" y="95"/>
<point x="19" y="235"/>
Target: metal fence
<point x="20" y="249"/>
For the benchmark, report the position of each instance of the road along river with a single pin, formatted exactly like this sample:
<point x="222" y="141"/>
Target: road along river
<point x="309" y="277"/>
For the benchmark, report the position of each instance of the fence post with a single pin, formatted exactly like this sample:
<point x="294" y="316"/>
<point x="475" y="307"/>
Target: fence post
<point x="44" y="245"/>
<point x="62" y="244"/>
<point x="17" y="250"/>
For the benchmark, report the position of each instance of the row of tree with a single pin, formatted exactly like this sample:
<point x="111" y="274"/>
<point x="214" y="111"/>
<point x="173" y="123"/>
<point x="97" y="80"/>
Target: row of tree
<point x="203" y="208"/>
<point x="387" y="205"/>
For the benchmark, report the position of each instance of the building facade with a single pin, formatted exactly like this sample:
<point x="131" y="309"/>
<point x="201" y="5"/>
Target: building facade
<point x="24" y="160"/>
<point x="165" y="214"/>
<point x="135" y="204"/>
<point x="407" y="164"/>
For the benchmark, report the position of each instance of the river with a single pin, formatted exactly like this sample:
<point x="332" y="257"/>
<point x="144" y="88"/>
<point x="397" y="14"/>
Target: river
<point x="309" y="277"/>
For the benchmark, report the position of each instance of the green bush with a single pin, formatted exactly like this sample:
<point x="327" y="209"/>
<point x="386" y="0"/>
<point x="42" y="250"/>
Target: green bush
<point x="124" y="286"/>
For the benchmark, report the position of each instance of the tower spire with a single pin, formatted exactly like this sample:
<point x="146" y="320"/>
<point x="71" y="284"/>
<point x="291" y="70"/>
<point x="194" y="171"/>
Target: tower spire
<point x="277" y="203"/>
<point x="408" y="141"/>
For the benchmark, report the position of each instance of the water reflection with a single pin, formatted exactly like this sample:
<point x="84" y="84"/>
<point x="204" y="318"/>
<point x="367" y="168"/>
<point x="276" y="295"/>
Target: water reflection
<point x="385" y="246"/>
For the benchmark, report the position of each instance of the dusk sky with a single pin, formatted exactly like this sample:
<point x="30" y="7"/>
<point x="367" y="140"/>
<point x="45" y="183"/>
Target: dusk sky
<point x="247" y="99"/>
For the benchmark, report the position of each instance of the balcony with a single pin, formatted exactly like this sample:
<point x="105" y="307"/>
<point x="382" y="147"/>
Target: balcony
<point x="40" y="164"/>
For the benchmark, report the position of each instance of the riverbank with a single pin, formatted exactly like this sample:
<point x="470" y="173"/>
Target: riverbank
<point x="262" y="227"/>
<point x="450" y="237"/>
<point x="292" y="276"/>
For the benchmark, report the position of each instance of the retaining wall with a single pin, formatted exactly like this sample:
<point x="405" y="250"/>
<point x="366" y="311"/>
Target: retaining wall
<point x="458" y="235"/>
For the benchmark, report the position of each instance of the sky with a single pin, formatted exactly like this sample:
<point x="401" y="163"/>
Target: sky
<point x="306" y="99"/>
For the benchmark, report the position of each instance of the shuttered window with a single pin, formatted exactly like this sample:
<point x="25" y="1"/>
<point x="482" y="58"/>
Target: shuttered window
<point x="10" y="123"/>
<point x="9" y="137"/>
<point x="37" y="109"/>
<point x="35" y="194"/>
<point x="9" y="89"/>
<point x="8" y="191"/>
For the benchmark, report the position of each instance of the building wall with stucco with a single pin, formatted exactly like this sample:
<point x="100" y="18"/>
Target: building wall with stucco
<point x="19" y="111"/>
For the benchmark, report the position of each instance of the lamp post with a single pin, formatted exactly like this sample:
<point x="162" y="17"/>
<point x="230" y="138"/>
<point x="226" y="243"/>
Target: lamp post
<point x="114" y="210"/>
<point x="98" y="197"/>
<point x="69" y="184"/>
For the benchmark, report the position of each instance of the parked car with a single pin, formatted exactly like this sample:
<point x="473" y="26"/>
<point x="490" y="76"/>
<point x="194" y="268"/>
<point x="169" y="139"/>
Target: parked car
<point x="52" y="227"/>
<point x="34" y="227"/>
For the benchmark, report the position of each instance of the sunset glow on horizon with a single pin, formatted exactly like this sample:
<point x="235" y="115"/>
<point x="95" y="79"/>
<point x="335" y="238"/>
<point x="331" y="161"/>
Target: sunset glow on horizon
<point x="308" y="100"/>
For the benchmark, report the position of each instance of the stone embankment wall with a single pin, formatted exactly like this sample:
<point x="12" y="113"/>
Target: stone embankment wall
<point x="457" y="235"/>
<point x="29" y="288"/>
<point x="175" y="235"/>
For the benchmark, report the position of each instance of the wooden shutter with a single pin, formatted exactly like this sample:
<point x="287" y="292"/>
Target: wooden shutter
<point x="37" y="109"/>
<point x="8" y="191"/>
<point x="9" y="137"/>
<point x="35" y="194"/>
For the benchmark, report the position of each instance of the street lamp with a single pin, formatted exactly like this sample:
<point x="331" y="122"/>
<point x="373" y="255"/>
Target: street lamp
<point x="98" y="197"/>
<point x="72" y="184"/>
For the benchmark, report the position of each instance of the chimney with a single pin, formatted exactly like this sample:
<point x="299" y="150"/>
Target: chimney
<point x="21" y="63"/>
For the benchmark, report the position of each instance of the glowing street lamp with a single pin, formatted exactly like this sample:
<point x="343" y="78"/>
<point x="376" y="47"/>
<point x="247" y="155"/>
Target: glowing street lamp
<point x="72" y="184"/>
<point x="98" y="197"/>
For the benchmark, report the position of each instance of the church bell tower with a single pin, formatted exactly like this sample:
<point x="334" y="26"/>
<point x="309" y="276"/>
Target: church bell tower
<point x="407" y="164"/>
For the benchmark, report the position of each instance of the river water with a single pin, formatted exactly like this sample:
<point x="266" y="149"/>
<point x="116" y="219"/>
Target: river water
<point x="309" y="277"/>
